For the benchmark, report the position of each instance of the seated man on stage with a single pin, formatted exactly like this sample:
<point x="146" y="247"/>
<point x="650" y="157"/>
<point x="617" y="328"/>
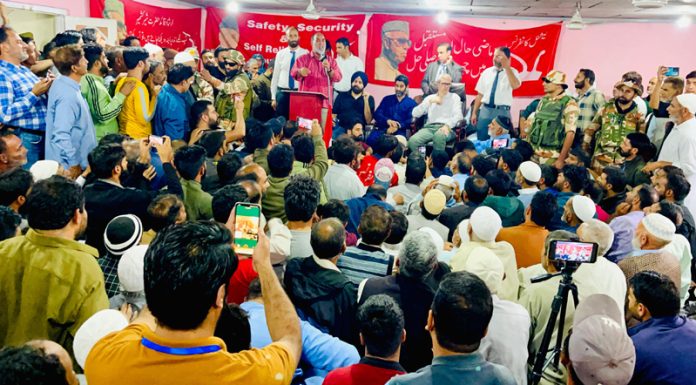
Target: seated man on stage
<point x="355" y="102"/>
<point x="498" y="129"/>
<point x="444" y="110"/>
<point x="443" y="65"/>
<point x="395" y="112"/>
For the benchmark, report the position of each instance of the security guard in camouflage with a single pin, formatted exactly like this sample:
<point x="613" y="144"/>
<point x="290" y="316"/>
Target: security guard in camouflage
<point x="618" y="118"/>
<point x="555" y="120"/>
<point x="237" y="84"/>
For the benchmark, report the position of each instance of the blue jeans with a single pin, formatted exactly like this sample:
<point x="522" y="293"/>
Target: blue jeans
<point x="35" y="145"/>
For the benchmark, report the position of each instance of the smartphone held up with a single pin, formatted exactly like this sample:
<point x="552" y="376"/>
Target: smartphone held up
<point x="247" y="224"/>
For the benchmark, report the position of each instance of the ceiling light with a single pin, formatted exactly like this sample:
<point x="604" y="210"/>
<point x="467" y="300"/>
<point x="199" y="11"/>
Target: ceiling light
<point x="441" y="17"/>
<point x="232" y="7"/>
<point x="683" y="22"/>
<point x="649" y="4"/>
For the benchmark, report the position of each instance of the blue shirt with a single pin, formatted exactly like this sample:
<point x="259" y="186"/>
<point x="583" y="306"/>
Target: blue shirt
<point x="171" y="114"/>
<point x="458" y="369"/>
<point x="70" y="133"/>
<point x="665" y="351"/>
<point x="364" y="261"/>
<point x="460" y="179"/>
<point x="321" y="353"/>
<point x="624" y="228"/>
<point x="557" y="222"/>
<point x="358" y="205"/>
<point x="483" y="145"/>
<point x="19" y="107"/>
<point x="392" y="109"/>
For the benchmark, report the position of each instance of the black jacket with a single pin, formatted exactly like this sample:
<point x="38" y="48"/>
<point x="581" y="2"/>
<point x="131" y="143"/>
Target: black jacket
<point x="325" y="297"/>
<point x="414" y="296"/>
<point x="105" y="201"/>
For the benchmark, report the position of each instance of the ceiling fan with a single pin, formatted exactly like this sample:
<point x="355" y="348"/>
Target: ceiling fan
<point x="312" y="12"/>
<point x="576" y="22"/>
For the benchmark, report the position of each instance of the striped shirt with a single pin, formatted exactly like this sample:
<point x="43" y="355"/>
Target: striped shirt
<point x="364" y="261"/>
<point x="102" y="106"/>
<point x="19" y="107"/>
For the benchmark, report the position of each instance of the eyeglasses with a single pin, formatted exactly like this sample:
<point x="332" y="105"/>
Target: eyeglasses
<point x="446" y="84"/>
<point x="231" y="64"/>
<point x="402" y="41"/>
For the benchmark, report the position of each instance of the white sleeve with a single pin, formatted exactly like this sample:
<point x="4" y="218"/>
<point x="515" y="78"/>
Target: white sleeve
<point x="280" y="239"/>
<point x="456" y="115"/>
<point x="422" y="108"/>
<point x="481" y="84"/>
<point x="274" y="78"/>
<point x="687" y="156"/>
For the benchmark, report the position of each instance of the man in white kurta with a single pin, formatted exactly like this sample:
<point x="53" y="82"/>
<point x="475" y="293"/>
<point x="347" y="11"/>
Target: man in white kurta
<point x="679" y="148"/>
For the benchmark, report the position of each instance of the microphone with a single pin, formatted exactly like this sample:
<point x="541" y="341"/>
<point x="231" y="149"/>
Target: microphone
<point x="323" y="58"/>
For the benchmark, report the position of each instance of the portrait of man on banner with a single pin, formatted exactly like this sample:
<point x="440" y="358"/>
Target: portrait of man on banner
<point x="395" y="45"/>
<point x="229" y="32"/>
<point x="114" y="10"/>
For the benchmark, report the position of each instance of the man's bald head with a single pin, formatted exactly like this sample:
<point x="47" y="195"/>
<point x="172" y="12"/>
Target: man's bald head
<point x="328" y="238"/>
<point x="253" y="190"/>
<point x="52" y="348"/>
<point x="253" y="171"/>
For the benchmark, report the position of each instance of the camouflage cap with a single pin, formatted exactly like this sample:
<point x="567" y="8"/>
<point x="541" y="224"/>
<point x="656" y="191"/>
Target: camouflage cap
<point x="236" y="56"/>
<point x="236" y="86"/>
<point x="556" y="77"/>
<point x="635" y="86"/>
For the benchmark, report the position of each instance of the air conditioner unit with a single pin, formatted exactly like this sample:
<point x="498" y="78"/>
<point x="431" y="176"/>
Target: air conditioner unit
<point x="576" y="21"/>
<point x="649" y="4"/>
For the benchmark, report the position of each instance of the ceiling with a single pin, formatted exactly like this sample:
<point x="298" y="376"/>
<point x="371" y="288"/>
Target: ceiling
<point x="591" y="9"/>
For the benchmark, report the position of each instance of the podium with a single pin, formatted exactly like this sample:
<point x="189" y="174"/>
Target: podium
<point x="308" y="105"/>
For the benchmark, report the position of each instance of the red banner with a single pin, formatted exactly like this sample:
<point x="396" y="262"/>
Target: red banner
<point x="410" y="45"/>
<point x="165" y="27"/>
<point x="252" y="33"/>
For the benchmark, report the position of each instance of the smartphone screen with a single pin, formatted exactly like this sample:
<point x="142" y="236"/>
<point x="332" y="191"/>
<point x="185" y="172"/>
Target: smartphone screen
<point x="672" y="71"/>
<point x="156" y="139"/>
<point x="579" y="252"/>
<point x="421" y="150"/>
<point x="246" y="227"/>
<point x="304" y="123"/>
<point x="499" y="143"/>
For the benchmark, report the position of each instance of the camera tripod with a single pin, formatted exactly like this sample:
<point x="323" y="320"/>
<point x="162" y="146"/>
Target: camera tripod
<point x="558" y="308"/>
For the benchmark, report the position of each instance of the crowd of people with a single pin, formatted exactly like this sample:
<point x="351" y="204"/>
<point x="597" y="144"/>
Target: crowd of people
<point x="401" y="249"/>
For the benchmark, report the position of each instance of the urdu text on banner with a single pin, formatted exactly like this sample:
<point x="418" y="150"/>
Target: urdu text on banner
<point x="409" y="49"/>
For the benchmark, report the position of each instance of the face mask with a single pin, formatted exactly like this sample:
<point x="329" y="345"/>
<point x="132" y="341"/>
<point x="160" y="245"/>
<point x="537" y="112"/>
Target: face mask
<point x="293" y="43"/>
<point x="232" y="73"/>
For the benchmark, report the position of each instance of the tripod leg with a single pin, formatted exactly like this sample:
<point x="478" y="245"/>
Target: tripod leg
<point x="558" y="303"/>
<point x="561" y="325"/>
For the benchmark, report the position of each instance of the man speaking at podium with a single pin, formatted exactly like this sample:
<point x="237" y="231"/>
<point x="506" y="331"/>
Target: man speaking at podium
<point x="317" y="72"/>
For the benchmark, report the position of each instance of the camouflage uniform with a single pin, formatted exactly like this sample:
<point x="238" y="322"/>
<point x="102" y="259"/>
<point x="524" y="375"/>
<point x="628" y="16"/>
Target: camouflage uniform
<point x="554" y="118"/>
<point x="611" y="127"/>
<point x="239" y="84"/>
<point x="202" y="89"/>
<point x="224" y="103"/>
